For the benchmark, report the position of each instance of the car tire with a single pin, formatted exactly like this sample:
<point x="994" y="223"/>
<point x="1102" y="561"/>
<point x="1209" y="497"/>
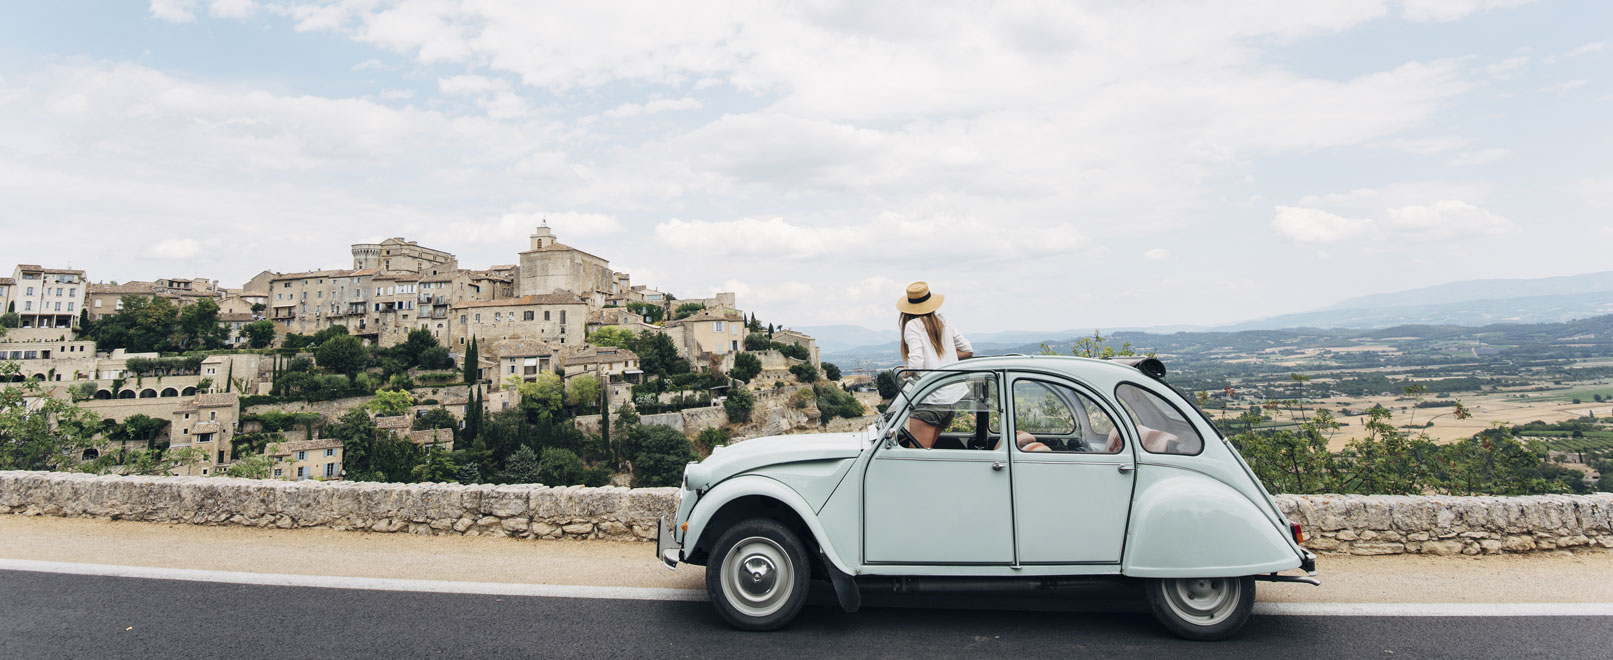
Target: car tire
<point x="757" y="576"/>
<point x="1202" y="609"/>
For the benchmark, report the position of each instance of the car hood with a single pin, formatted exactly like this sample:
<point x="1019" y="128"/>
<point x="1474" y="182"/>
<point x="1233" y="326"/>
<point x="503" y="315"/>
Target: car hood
<point x="749" y="455"/>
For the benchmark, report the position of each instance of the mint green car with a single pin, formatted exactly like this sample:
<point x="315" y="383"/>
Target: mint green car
<point x="1048" y="471"/>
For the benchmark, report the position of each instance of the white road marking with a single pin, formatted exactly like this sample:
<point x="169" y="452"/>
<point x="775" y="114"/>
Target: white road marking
<point x="336" y="582"/>
<point x="653" y="593"/>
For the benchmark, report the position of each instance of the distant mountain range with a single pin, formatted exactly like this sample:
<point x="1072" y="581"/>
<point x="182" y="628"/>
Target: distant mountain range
<point x="1464" y="303"/>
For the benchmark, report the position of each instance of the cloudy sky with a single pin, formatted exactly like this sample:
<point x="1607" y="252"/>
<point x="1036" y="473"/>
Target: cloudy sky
<point x="1046" y="164"/>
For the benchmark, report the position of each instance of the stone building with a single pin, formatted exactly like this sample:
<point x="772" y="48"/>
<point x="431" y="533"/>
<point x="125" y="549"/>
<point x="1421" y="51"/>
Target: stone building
<point x="6" y="285"/>
<point x="47" y="297"/>
<point x="707" y="332"/>
<point x="396" y="255"/>
<point x="556" y="318"/>
<point x="550" y="266"/>
<point x="608" y="364"/>
<point x="301" y="460"/>
<point x="305" y="303"/>
<point x="522" y="358"/>
<point x="206" y="423"/>
<point x="799" y="339"/>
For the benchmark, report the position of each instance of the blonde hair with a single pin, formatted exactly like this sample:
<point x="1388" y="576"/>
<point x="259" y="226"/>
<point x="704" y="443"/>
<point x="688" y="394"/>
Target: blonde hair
<point x="932" y="327"/>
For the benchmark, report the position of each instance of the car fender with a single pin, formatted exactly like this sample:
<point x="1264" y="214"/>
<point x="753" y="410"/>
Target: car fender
<point x="1186" y="523"/>
<point x="749" y="485"/>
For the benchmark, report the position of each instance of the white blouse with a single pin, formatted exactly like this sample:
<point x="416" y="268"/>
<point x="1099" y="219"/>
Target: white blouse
<point x="921" y="354"/>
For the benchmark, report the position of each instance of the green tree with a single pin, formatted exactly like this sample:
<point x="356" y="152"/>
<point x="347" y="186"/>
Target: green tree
<point x="522" y="467"/>
<point x="795" y="351"/>
<point x="709" y="439"/>
<point x="40" y="432"/>
<point x="340" y="354"/>
<point x="686" y="310"/>
<point x="757" y="341"/>
<point x="833" y="402"/>
<point x="414" y="346"/>
<point x="475" y="414"/>
<point x="328" y="333"/>
<point x="746" y="367"/>
<point x="436" y="418"/>
<point x="662" y="454"/>
<point x="472" y="368"/>
<point x="560" y="467"/>
<point x="613" y="336"/>
<point x="10" y="319"/>
<point x="542" y="398"/>
<point x="831" y="371"/>
<point x="583" y="391"/>
<point x="888" y="384"/>
<point x="657" y="355"/>
<point x="739" y="405"/>
<point x="388" y="403"/>
<point x="436" y="357"/>
<point x="199" y="327"/>
<point x="652" y="313"/>
<point x="256" y="466"/>
<point x="436" y="467"/>
<point x="805" y="372"/>
<point x="357" y="432"/>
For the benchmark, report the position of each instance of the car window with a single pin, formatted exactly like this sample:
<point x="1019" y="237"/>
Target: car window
<point x="1161" y="426"/>
<point x="1053" y="417"/>
<point x="968" y="408"/>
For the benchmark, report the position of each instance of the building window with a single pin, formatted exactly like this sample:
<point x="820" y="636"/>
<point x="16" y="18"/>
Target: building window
<point x="462" y="319"/>
<point x="302" y="455"/>
<point x="478" y="318"/>
<point x="330" y="470"/>
<point x="498" y="316"/>
<point x="302" y="473"/>
<point x="546" y="315"/>
<point x="278" y="472"/>
<point x="562" y="318"/>
<point x="716" y="326"/>
<point x="526" y="316"/>
<point x="330" y="452"/>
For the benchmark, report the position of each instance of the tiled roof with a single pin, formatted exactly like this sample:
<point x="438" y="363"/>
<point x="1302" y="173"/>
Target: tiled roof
<point x="289" y="448"/>
<point x="205" y="400"/>
<point x="431" y="436"/>
<point x="602" y="356"/>
<point x="394" y="422"/>
<point x="7" y="280"/>
<point x="542" y="299"/>
<point x="521" y="348"/>
<point x="557" y="246"/>
<point x="235" y="317"/>
<point x="710" y="314"/>
<point x="337" y="272"/>
<point x="126" y="287"/>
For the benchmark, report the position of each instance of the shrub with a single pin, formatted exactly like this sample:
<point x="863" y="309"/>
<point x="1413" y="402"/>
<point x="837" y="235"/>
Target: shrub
<point x="831" y="371"/>
<point x="661" y="456"/>
<point x="560" y="467"/>
<point x="712" y="438"/>
<point x="746" y="367"/>
<point x="757" y="341"/>
<point x="792" y="350"/>
<point x="739" y="405"/>
<point x="887" y="383"/>
<point x="834" y="403"/>
<point x="804" y="372"/>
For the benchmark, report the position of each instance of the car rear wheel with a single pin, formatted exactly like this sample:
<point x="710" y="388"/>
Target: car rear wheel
<point x="757" y="576"/>
<point x="1202" y="608"/>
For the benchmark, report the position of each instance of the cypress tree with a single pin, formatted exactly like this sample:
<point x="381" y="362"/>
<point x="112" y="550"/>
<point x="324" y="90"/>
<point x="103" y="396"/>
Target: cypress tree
<point x="472" y="356"/>
<point x="229" y="378"/>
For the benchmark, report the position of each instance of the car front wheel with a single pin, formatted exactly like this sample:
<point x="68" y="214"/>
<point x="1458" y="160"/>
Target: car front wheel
<point x="1202" y="608"/>
<point x="757" y="575"/>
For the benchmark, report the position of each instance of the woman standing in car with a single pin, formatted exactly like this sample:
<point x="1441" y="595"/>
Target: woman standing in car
<point x="929" y="342"/>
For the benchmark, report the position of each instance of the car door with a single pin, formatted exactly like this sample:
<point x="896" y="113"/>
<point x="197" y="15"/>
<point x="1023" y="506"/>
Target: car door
<point x="946" y="505"/>
<point x="1073" y="471"/>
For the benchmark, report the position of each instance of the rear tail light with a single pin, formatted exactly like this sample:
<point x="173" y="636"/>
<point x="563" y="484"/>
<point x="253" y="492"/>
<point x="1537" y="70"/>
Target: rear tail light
<point x="1299" y="535"/>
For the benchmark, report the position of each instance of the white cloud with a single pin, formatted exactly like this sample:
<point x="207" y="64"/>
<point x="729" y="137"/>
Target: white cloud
<point x="1451" y="10"/>
<point x="981" y="241"/>
<point x="1444" y="220"/>
<point x="236" y="9"/>
<point x="1157" y="254"/>
<point x="1566" y="86"/>
<point x="1480" y="156"/>
<point x="653" y="107"/>
<point x="175" y="11"/>
<point x="1593" y="47"/>
<point x="372" y="65"/>
<point x="176" y="248"/>
<point x="1307" y="225"/>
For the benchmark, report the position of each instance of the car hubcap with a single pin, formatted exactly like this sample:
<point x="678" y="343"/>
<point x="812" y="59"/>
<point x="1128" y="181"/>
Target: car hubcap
<point x="1202" y="601"/>
<point x="757" y="577"/>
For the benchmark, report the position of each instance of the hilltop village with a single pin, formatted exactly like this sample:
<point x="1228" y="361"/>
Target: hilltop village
<point x="405" y="367"/>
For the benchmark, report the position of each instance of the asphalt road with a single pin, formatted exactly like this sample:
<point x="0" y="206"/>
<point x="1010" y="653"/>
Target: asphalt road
<point x="49" y="615"/>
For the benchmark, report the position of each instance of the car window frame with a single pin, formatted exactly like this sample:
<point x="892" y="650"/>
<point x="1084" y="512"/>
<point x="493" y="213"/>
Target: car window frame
<point x="911" y="401"/>
<point x="1188" y="419"/>
<point x="1111" y="408"/>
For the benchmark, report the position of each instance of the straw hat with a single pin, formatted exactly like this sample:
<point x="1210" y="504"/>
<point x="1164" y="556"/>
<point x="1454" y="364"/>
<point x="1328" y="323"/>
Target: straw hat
<point x="919" y="300"/>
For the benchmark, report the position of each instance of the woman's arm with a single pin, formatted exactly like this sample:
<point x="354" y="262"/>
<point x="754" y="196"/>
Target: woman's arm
<point x="917" y="344"/>
<point x="962" y="345"/>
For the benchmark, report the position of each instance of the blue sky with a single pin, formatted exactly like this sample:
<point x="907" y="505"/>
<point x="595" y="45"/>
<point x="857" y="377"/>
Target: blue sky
<point x="1048" y="165"/>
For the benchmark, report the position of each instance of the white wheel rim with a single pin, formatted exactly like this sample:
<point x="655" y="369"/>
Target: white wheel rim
<point x="757" y="577"/>
<point x="1202" y="601"/>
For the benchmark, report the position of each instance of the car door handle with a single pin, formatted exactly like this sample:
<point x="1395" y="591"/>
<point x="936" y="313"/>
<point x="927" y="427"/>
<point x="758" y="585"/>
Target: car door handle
<point x="1126" y="468"/>
<point x="997" y="465"/>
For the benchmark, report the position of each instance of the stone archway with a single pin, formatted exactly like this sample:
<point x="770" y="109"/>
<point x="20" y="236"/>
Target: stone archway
<point x="102" y="395"/>
<point x="148" y="393"/>
<point x="169" y="392"/>
<point x="189" y="391"/>
<point x="127" y="394"/>
<point x="91" y="454"/>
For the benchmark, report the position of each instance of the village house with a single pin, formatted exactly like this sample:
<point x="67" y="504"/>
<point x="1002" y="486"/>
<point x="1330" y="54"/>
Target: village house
<point x="205" y="423"/>
<point x="433" y="439"/>
<point x="556" y="318"/>
<point x="305" y="303"/>
<point x="616" y="317"/>
<point x="6" y="285"/>
<point x="301" y="460"/>
<point x="707" y="332"/>
<point x="608" y="364"/>
<point x="396" y="255"/>
<point x="523" y="359"/>
<point x="799" y="339"/>
<point x="46" y="297"/>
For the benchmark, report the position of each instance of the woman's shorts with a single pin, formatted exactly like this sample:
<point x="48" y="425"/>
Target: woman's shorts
<point x="938" y="416"/>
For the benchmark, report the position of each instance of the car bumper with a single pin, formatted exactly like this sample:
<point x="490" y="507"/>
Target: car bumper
<point x="667" y="548"/>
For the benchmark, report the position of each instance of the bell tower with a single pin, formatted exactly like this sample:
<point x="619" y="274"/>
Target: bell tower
<point x="542" y="237"/>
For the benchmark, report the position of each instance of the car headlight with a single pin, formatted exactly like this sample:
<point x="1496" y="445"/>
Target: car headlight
<point x="696" y="477"/>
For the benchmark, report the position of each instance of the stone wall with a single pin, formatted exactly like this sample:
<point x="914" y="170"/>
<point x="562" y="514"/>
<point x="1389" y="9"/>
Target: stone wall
<point x="525" y="511"/>
<point x="1361" y="525"/>
<point x="1405" y="524"/>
